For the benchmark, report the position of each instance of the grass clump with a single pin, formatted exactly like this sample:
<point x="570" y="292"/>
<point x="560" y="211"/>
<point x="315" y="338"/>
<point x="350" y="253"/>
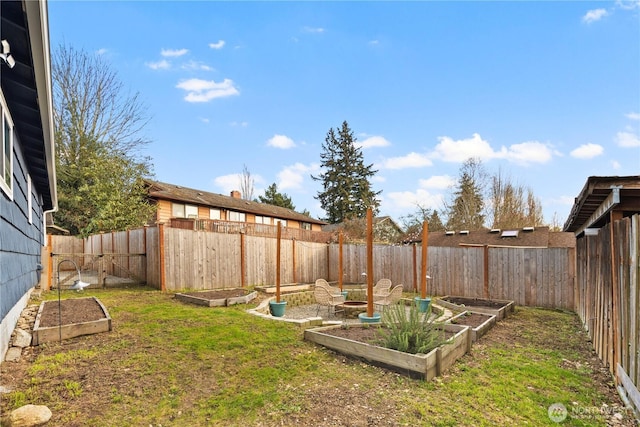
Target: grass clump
<point x="410" y="330"/>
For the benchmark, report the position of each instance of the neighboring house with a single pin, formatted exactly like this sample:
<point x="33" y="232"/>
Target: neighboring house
<point x="27" y="166"/>
<point x="184" y="207"/>
<point x="530" y="237"/>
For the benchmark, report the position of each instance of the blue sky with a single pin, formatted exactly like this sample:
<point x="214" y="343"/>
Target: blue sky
<point x="547" y="93"/>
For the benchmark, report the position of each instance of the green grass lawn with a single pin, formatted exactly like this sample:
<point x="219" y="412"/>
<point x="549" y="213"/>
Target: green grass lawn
<point x="173" y="364"/>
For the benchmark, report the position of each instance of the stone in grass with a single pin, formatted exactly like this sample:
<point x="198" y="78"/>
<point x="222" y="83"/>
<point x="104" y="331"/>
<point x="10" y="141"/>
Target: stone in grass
<point x="13" y="354"/>
<point x="22" y="338"/>
<point x="30" y="416"/>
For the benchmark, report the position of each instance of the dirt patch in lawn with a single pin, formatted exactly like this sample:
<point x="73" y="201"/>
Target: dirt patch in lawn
<point x="71" y="311"/>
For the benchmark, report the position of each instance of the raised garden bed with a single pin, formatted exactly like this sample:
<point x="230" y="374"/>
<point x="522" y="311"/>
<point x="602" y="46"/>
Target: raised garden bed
<point x="347" y="341"/>
<point x="69" y="318"/>
<point x="217" y="298"/>
<point x="498" y="308"/>
<point x="478" y="323"/>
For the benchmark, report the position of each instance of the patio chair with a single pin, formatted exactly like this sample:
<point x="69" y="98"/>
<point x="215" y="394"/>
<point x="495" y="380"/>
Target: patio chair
<point x="392" y="297"/>
<point x="381" y="289"/>
<point x="332" y="289"/>
<point x="324" y="297"/>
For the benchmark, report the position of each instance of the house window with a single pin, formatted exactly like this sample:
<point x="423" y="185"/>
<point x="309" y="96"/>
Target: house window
<point x="263" y="220"/>
<point x="178" y="210"/>
<point x="215" y="214"/>
<point x="237" y="216"/>
<point x="282" y="221"/>
<point x="191" y="211"/>
<point x="305" y="226"/>
<point x="6" y="159"/>
<point x="29" y="199"/>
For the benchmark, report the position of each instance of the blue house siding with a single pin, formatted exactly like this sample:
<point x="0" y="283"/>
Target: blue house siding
<point x="20" y="247"/>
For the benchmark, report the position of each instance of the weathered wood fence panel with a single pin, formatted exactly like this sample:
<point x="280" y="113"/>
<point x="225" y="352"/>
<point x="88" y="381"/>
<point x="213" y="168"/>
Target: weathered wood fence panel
<point x="607" y="297"/>
<point x="207" y="260"/>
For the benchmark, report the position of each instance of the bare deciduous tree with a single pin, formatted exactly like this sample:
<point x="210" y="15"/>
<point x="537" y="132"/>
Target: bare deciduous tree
<point x="99" y="164"/>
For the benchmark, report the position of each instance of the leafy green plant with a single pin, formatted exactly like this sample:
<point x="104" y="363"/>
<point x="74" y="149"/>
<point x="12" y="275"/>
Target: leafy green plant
<point x="409" y="330"/>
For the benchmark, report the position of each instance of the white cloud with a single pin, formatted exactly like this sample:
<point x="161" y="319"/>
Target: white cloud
<point x="411" y="160"/>
<point x="292" y="177"/>
<point x="218" y="45"/>
<point x="281" y="141"/>
<point x="204" y="120"/>
<point x="160" y="65"/>
<point x="616" y="165"/>
<point x="437" y="182"/>
<point x="458" y="151"/>
<point x="199" y="90"/>
<point x="241" y="124"/>
<point x="527" y="152"/>
<point x="316" y="30"/>
<point x="594" y="15"/>
<point x="374" y="42"/>
<point x="101" y="51"/>
<point x="173" y="53"/>
<point x="194" y="65"/>
<point x="633" y="116"/>
<point x="627" y="139"/>
<point x="628" y="4"/>
<point x="373" y="141"/>
<point x="587" y="151"/>
<point x="408" y="200"/>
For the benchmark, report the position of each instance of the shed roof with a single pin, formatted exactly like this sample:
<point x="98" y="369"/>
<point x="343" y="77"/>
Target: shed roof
<point x="599" y="196"/>
<point x="538" y="237"/>
<point x="177" y="193"/>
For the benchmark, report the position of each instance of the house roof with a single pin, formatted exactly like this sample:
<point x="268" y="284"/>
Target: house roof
<point x="599" y="196"/>
<point x="537" y="237"/>
<point x="177" y="193"/>
<point x="28" y="91"/>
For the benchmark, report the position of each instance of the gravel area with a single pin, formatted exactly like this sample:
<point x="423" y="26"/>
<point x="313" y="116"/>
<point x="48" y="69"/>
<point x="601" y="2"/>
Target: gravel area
<point x="306" y="311"/>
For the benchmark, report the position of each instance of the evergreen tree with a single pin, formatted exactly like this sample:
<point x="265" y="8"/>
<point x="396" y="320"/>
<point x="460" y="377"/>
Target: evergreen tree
<point x="99" y="168"/>
<point x="346" y="189"/>
<point x="466" y="212"/>
<point x="273" y="197"/>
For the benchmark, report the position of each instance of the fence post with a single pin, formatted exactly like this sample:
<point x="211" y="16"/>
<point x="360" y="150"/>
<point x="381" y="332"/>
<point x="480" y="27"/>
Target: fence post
<point x="242" y="261"/>
<point x="486" y="271"/>
<point x="163" y="285"/>
<point x="293" y="253"/>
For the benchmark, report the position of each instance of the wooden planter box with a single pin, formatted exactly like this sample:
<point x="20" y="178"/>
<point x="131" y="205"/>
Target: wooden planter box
<point x="499" y="308"/>
<point x="42" y="335"/>
<point x="475" y="331"/>
<point x="425" y="366"/>
<point x="218" y="302"/>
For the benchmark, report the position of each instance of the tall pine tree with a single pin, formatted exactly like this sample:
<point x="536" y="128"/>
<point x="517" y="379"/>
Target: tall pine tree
<point x="273" y="197"/>
<point x="466" y="212"/>
<point x="346" y="189"/>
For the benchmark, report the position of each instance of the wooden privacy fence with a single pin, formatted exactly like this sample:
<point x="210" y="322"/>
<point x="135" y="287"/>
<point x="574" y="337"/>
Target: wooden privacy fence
<point x="102" y="259"/>
<point x="607" y="299"/>
<point x="176" y="259"/>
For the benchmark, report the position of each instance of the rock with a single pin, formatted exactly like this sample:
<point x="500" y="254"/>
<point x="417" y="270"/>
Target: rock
<point x="22" y="339"/>
<point x="13" y="354"/>
<point x="30" y="416"/>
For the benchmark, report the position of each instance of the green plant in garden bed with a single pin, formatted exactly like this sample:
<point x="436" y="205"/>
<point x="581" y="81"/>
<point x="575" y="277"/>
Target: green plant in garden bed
<point x="410" y="330"/>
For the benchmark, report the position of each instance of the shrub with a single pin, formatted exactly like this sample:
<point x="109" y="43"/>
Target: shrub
<point x="409" y="330"/>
